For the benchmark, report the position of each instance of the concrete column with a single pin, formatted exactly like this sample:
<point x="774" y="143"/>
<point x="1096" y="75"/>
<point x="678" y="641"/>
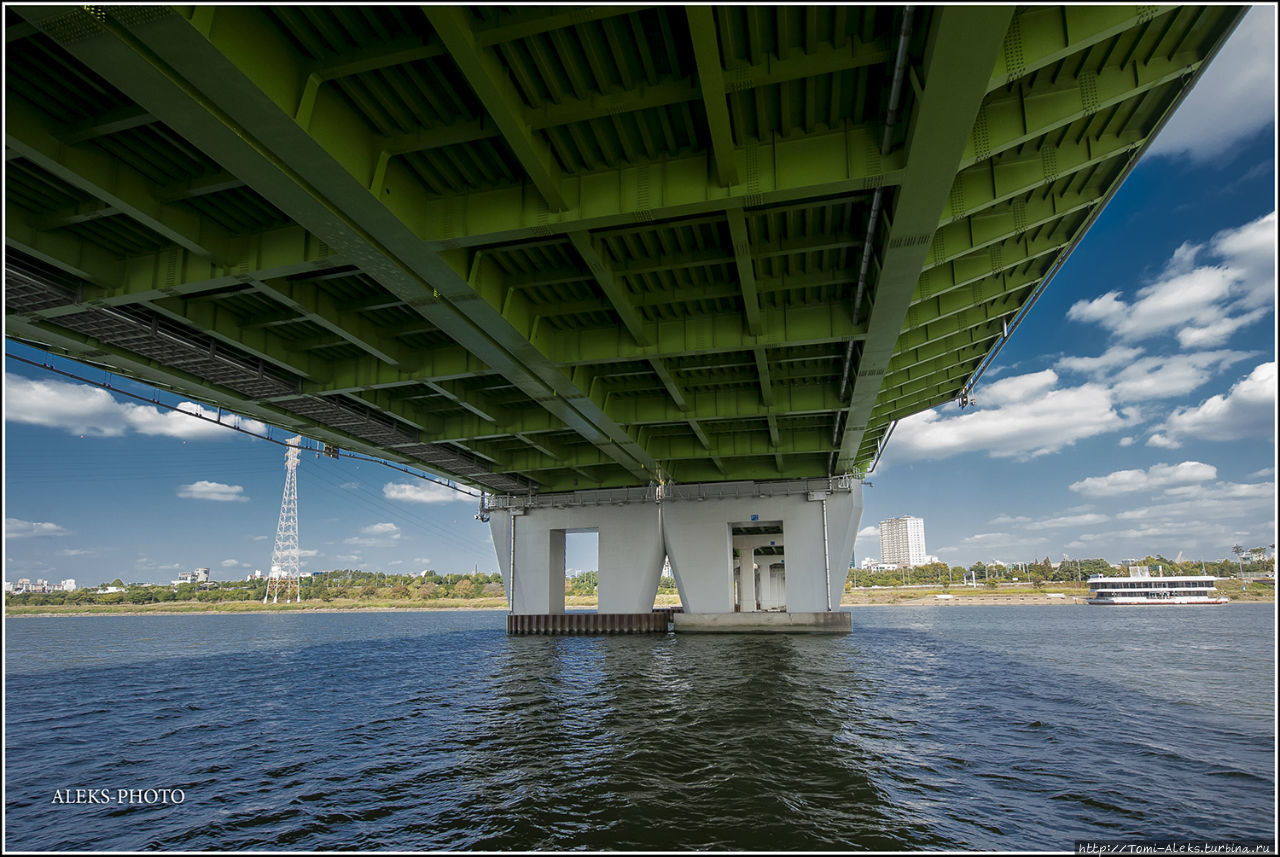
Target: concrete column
<point x="630" y="555"/>
<point x="700" y="546"/>
<point x="693" y="525"/>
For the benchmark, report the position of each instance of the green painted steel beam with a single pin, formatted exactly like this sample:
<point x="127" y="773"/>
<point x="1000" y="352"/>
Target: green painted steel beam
<point x="960" y="56"/>
<point x="1014" y="217"/>
<point x="107" y="179"/>
<point x="705" y="334"/>
<point x="1041" y="36"/>
<point x="111" y="122"/>
<point x="307" y="300"/>
<point x="924" y="312"/>
<point x="492" y="85"/>
<point x="745" y="263"/>
<point x="616" y="293"/>
<point x="1030" y="111"/>
<point x="284" y="252"/>
<point x="126" y="51"/>
<point x="1011" y="174"/>
<point x="706" y="55"/>
<point x="722" y="405"/>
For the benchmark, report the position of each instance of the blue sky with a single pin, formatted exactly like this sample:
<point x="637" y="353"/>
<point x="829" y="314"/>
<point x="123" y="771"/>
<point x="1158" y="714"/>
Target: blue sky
<point x="1133" y="412"/>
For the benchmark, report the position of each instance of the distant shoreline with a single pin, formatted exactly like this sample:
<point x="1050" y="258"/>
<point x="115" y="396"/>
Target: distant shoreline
<point x="887" y="600"/>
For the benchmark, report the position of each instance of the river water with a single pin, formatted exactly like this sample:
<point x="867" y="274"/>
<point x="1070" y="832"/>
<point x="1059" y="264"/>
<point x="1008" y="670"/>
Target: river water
<point x="927" y="728"/>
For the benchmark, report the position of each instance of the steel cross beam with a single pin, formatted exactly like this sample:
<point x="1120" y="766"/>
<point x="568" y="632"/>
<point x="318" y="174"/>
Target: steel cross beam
<point x="170" y="66"/>
<point x="958" y="66"/>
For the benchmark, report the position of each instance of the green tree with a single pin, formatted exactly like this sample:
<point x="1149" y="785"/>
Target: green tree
<point x="464" y="588"/>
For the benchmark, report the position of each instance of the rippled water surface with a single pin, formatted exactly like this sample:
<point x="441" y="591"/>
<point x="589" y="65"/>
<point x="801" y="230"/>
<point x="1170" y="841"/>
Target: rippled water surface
<point x="957" y="728"/>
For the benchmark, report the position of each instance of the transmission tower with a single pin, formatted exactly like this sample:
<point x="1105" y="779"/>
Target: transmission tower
<point x="284" y="560"/>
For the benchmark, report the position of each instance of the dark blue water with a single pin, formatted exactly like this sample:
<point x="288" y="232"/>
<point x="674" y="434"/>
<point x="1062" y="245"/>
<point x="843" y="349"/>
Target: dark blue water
<point x="930" y="728"/>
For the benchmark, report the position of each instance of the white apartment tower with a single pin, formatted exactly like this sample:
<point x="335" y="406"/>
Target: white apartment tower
<point x="902" y="541"/>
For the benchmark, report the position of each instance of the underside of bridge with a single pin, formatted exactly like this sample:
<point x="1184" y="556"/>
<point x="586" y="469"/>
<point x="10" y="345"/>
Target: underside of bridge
<point x="541" y="249"/>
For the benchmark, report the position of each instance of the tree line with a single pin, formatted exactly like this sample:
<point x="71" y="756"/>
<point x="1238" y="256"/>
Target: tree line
<point x="1043" y="571"/>
<point x="328" y="586"/>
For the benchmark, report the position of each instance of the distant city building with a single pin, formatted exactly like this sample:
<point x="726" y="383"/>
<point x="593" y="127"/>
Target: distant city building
<point x="200" y="575"/>
<point x="902" y="541"/>
<point x="24" y="584"/>
<point x="873" y="564"/>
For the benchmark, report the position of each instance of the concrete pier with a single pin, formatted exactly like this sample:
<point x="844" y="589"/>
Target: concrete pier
<point x="776" y="549"/>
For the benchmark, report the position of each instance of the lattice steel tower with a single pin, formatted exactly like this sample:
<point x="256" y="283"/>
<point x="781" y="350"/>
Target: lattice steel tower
<point x="284" y="560"/>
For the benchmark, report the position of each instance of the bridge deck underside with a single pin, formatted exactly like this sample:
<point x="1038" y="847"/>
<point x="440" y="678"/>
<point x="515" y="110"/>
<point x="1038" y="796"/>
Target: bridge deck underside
<point x="552" y="248"/>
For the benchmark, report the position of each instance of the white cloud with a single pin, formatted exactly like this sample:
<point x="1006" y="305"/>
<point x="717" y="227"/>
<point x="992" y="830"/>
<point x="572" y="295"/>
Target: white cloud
<point x="1264" y="473"/>
<point x="309" y="552"/>
<point x="1248" y="410"/>
<point x="1133" y="377"/>
<point x="1156" y="477"/>
<point x="1029" y="419"/>
<point x="349" y="557"/>
<point x="869" y="533"/>
<point x="382" y="534"/>
<point x="1234" y="98"/>
<point x="1201" y="305"/>
<point x="233" y="563"/>
<point x="206" y="490"/>
<point x="16" y="528"/>
<point x="1126" y="441"/>
<point x="85" y="410"/>
<point x="1068" y="521"/>
<point x="1000" y="540"/>
<point x="423" y="492"/>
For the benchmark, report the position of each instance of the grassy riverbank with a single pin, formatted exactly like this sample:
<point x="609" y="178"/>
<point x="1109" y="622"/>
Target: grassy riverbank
<point x="901" y="596"/>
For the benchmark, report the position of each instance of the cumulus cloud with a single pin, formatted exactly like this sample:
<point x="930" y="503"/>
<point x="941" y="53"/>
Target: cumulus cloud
<point x="1154" y="478"/>
<point x="1248" y="410"/>
<point x="382" y="534"/>
<point x="1133" y="377"/>
<point x="233" y="563"/>
<point x="16" y="528"/>
<point x="1019" y="417"/>
<point x="423" y="492"/>
<point x="1234" y="98"/>
<point x="85" y="410"/>
<point x="206" y="490"/>
<point x="1201" y="302"/>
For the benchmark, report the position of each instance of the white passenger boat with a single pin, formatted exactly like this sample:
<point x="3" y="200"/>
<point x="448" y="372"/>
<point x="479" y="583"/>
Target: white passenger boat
<point x="1141" y="588"/>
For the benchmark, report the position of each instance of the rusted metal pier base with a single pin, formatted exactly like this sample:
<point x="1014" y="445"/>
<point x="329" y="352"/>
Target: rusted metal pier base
<point x="559" y="624"/>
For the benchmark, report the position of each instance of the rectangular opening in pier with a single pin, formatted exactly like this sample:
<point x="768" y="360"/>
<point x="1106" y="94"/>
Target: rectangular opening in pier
<point x="581" y="569"/>
<point x="758" y="570"/>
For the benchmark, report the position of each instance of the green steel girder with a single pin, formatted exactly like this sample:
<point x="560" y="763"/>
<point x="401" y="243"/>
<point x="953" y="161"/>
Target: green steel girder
<point x="1012" y="174"/>
<point x="1031" y="111"/>
<point x="981" y="270"/>
<point x="745" y="262"/>
<point x="930" y="310"/>
<point x="901" y="371"/>
<point x="723" y="404"/>
<point x="928" y="349"/>
<point x="995" y="225"/>
<point x="493" y="87"/>
<point x="109" y="180"/>
<point x="89" y="350"/>
<point x="288" y="251"/>
<point x="672" y="449"/>
<point x="308" y="301"/>
<point x="613" y="290"/>
<point x="126" y="51"/>
<point x="949" y="380"/>
<point x="706" y="54"/>
<point x="726" y="360"/>
<point x="1041" y="36"/>
<point x="112" y="122"/>
<point x="963" y="49"/>
<point x="547" y="21"/>
<point x="707" y="334"/>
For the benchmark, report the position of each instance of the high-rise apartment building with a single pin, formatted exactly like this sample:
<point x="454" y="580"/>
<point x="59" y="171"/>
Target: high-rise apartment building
<point x="902" y="541"/>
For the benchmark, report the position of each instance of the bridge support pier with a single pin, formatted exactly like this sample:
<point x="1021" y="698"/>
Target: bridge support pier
<point x="793" y="541"/>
